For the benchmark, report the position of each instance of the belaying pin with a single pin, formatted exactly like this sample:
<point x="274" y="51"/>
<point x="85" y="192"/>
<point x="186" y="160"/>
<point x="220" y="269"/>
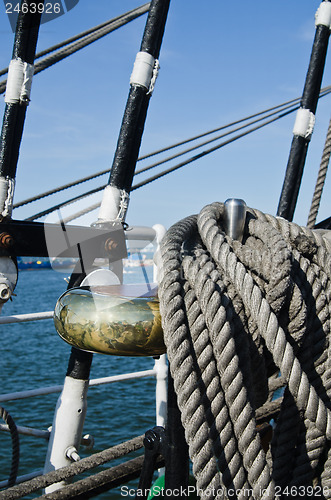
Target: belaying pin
<point x="234" y="218"/>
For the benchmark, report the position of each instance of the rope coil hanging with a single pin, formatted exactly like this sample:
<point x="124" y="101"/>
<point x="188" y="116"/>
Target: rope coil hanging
<point x="235" y="314"/>
<point x="15" y="445"/>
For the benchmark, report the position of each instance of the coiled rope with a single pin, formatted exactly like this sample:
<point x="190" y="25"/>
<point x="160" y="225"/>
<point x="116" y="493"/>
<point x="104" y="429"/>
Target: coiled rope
<point x="15" y="445"/>
<point x="233" y="315"/>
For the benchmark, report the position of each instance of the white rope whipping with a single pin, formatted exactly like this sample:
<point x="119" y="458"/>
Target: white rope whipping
<point x="323" y="15"/>
<point x="7" y="187"/>
<point x="114" y="204"/>
<point x="304" y="123"/>
<point x="19" y="82"/>
<point x="145" y="71"/>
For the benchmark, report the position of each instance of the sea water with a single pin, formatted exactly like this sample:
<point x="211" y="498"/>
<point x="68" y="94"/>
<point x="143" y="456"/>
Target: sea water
<point x="33" y="355"/>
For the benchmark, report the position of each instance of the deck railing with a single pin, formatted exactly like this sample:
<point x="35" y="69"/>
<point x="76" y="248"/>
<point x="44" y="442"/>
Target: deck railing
<point x="159" y="371"/>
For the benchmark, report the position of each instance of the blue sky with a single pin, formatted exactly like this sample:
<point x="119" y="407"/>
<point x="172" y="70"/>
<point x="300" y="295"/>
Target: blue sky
<point x="220" y="61"/>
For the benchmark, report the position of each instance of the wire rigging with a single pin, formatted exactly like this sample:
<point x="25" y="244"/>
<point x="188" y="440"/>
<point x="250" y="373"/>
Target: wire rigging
<point x="70" y="40"/>
<point x="144" y="169"/>
<point x="188" y="150"/>
<point x="208" y="151"/>
<point x="96" y="34"/>
<point x="282" y="107"/>
<point x="165" y="172"/>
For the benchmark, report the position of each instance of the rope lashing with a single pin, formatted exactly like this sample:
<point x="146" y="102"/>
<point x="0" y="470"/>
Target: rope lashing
<point x="235" y="314"/>
<point x="15" y="445"/>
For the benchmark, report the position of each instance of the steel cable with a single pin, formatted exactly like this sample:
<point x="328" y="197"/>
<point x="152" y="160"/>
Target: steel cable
<point x="324" y="92"/>
<point x="157" y="176"/>
<point x="70" y="40"/>
<point x="83" y="42"/>
<point x="74" y="469"/>
<point x="144" y="169"/>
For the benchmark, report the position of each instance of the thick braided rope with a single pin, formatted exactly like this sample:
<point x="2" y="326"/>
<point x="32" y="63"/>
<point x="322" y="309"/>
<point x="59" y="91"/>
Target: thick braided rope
<point x="314" y="442"/>
<point x="198" y="293"/>
<point x="185" y="377"/>
<point x="215" y="311"/>
<point x="307" y="399"/>
<point x="312" y="357"/>
<point x="195" y="417"/>
<point x="315" y="203"/>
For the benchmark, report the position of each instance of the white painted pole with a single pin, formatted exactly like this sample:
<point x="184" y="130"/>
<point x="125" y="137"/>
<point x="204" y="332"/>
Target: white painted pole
<point x="161" y="368"/>
<point x="67" y="426"/>
<point x="159" y="232"/>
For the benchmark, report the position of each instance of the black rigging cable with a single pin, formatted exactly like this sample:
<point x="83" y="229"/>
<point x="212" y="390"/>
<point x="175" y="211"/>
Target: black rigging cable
<point x="15" y="445"/>
<point x="325" y="91"/>
<point x="208" y="151"/>
<point x="71" y="40"/>
<point x="169" y="170"/>
<point x="64" y="203"/>
<point x="163" y="173"/>
<point x="102" y="172"/>
<point x="199" y="136"/>
<point x="60" y="188"/>
<point x="83" y="34"/>
<point x="144" y="169"/>
<point x="86" y="40"/>
<point x="188" y="150"/>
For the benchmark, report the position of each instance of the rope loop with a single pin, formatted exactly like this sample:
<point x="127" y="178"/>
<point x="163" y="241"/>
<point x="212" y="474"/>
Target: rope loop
<point x="235" y="317"/>
<point x="15" y="445"/>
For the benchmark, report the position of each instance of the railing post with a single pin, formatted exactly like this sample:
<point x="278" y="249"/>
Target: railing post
<point x="161" y="368"/>
<point x="69" y="414"/>
<point x="71" y="407"/>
